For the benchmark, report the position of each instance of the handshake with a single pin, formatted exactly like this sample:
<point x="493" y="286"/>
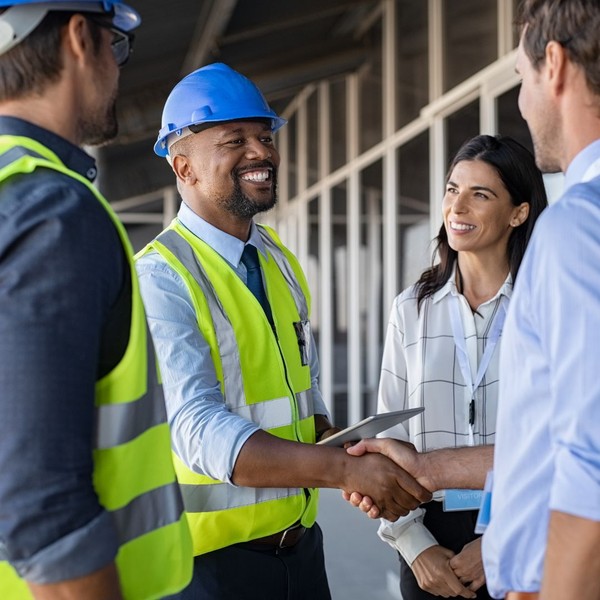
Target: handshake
<point x="415" y="476"/>
<point x="437" y="570"/>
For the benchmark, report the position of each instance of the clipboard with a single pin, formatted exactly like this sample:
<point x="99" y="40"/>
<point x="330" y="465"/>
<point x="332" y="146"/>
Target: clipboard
<point x="370" y="427"/>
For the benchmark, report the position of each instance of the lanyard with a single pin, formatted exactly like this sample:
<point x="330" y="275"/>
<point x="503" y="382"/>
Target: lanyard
<point x="463" y="357"/>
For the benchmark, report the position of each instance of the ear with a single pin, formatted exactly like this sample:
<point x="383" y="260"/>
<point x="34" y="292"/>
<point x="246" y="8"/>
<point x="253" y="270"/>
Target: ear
<point x="520" y="214"/>
<point x="555" y="65"/>
<point x="183" y="169"/>
<point x="77" y="38"/>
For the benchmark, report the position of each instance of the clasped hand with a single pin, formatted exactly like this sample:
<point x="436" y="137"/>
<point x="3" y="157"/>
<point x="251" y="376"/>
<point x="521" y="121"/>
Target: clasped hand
<point x="386" y="485"/>
<point x="401" y="453"/>
<point x="441" y="572"/>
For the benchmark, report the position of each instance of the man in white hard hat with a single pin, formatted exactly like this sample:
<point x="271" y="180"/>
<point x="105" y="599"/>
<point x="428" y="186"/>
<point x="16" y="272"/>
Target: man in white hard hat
<point x="228" y="307"/>
<point x="89" y="505"/>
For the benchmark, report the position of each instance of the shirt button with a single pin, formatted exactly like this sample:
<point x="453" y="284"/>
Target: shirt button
<point x="92" y="172"/>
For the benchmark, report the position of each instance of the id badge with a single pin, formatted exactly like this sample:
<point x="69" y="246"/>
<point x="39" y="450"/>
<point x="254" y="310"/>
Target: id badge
<point x="302" y="329"/>
<point x="485" y="511"/>
<point x="462" y="500"/>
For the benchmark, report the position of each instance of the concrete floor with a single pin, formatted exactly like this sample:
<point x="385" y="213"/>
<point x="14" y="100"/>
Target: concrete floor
<point x="359" y="565"/>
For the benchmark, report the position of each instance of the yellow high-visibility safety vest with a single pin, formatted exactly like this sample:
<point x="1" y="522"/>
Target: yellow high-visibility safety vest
<point x="133" y="470"/>
<point x="262" y="375"/>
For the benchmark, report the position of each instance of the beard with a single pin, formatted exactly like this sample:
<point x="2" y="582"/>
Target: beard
<point x="543" y="160"/>
<point x="98" y="124"/>
<point x="100" y="127"/>
<point x="242" y="206"/>
<point x="547" y="142"/>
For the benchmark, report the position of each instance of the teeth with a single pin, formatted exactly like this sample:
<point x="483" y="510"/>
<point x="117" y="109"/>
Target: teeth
<point x="461" y="226"/>
<point x="258" y="176"/>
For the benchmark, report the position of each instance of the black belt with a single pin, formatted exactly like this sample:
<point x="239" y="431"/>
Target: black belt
<point x="284" y="539"/>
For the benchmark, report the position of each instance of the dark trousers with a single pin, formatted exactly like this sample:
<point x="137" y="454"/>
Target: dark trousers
<point x="241" y="573"/>
<point x="452" y="530"/>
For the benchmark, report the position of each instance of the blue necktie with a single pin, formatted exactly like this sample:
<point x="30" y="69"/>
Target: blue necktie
<point x="254" y="279"/>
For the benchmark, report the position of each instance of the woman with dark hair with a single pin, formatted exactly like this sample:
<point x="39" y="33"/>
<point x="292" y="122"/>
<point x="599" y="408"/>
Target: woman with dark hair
<point x="442" y="350"/>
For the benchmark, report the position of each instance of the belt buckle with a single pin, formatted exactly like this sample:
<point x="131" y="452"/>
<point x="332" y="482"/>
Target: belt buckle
<point x="284" y="534"/>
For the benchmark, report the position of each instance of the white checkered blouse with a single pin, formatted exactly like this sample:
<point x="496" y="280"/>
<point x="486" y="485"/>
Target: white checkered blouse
<point x="420" y="368"/>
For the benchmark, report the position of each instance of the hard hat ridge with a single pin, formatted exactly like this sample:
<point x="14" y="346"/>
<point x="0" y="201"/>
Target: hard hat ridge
<point x="212" y="94"/>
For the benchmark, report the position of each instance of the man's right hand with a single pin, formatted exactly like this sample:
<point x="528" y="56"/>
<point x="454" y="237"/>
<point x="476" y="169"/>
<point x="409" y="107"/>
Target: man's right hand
<point x="390" y="488"/>
<point x="402" y="454"/>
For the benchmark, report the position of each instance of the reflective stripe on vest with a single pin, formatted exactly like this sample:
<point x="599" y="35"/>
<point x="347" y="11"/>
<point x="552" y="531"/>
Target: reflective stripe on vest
<point x="120" y="423"/>
<point x="221" y="514"/>
<point x="286" y="269"/>
<point x="228" y="349"/>
<point x="133" y="471"/>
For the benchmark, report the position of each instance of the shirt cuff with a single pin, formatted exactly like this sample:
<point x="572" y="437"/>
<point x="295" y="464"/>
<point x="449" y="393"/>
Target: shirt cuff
<point x="319" y="407"/>
<point x="77" y="554"/>
<point x="409" y="538"/>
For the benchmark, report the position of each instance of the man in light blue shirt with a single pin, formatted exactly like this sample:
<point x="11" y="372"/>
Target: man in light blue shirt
<point x="544" y="534"/>
<point x="545" y="526"/>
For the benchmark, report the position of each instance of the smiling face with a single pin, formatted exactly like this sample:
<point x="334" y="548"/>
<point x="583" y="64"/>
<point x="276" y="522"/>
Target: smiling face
<point x="228" y="170"/>
<point x="478" y="212"/>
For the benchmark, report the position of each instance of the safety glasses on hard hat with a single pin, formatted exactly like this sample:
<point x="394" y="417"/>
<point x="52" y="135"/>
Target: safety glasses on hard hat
<point x="121" y="43"/>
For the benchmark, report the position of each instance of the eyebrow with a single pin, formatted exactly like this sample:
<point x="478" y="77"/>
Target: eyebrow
<point x="475" y="188"/>
<point x="240" y="130"/>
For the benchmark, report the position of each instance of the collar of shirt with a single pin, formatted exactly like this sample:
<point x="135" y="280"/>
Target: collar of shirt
<point x="577" y="170"/>
<point x="228" y="246"/>
<point x="71" y="156"/>
<point x="450" y="288"/>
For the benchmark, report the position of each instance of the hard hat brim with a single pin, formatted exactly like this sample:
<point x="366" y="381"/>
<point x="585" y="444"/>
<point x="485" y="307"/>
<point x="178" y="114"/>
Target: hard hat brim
<point x="162" y="145"/>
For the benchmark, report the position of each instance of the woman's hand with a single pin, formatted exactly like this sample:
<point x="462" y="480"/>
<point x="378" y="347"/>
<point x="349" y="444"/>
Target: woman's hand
<point x="468" y="565"/>
<point x="435" y="575"/>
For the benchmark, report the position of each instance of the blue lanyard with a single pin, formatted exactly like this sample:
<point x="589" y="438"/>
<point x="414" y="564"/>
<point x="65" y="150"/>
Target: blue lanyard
<point x="463" y="357"/>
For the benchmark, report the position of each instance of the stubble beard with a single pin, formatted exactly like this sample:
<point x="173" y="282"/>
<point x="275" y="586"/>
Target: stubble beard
<point x="98" y="125"/>
<point x="544" y="162"/>
<point x="100" y="128"/>
<point x="546" y="145"/>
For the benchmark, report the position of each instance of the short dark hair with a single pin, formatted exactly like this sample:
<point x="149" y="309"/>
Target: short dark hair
<point x="36" y="62"/>
<point x="516" y="168"/>
<point x="572" y="23"/>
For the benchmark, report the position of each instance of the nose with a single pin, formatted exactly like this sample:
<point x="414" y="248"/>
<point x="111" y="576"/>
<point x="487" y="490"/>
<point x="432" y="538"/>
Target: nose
<point x="459" y="205"/>
<point x="256" y="150"/>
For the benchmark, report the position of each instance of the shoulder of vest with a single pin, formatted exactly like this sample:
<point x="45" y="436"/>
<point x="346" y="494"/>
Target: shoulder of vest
<point x="268" y="230"/>
<point x="154" y="245"/>
<point x="12" y="148"/>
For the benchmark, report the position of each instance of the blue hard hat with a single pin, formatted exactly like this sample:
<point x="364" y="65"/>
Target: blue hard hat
<point x="21" y="17"/>
<point x="212" y="94"/>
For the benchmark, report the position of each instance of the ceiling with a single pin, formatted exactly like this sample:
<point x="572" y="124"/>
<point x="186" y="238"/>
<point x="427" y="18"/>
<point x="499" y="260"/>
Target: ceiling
<point x="281" y="45"/>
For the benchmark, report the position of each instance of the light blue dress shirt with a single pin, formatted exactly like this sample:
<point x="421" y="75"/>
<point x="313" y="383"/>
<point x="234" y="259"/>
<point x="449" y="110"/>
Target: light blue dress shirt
<point x="547" y="454"/>
<point x="205" y="434"/>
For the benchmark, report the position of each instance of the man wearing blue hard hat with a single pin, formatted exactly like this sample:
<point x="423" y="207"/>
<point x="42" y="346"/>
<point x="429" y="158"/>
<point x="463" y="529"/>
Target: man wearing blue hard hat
<point x="228" y="307"/>
<point x="89" y="504"/>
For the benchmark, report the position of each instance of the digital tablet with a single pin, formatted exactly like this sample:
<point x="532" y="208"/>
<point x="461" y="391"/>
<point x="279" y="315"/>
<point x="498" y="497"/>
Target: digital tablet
<point x="370" y="427"/>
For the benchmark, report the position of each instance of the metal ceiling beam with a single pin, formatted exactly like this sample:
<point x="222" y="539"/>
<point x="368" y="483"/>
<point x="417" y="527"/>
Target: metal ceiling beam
<point x="279" y="25"/>
<point x="212" y="22"/>
<point x="277" y="78"/>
